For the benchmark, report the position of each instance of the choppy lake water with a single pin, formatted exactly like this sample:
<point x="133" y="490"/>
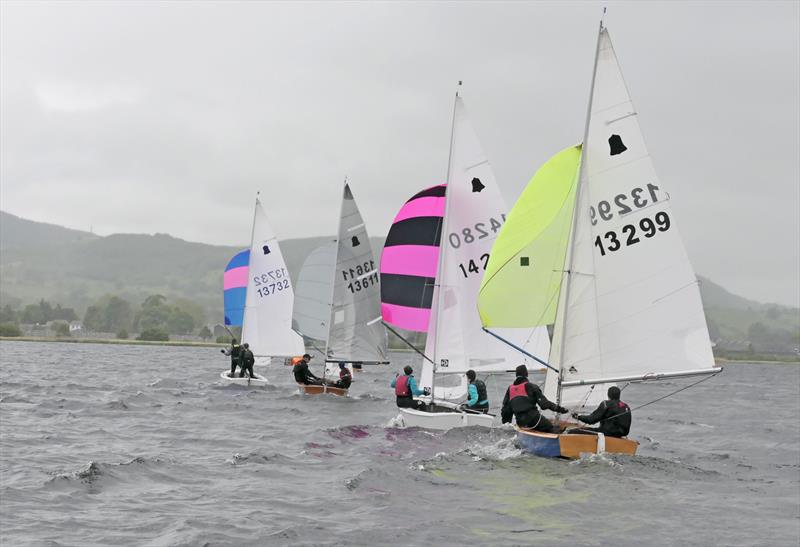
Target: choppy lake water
<point x="135" y="445"/>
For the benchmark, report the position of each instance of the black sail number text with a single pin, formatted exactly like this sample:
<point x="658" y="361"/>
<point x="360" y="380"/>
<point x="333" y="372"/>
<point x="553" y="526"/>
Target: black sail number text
<point x="632" y="234"/>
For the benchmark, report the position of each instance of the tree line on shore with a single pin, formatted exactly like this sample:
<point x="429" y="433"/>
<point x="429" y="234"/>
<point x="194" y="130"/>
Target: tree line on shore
<point x="155" y="318"/>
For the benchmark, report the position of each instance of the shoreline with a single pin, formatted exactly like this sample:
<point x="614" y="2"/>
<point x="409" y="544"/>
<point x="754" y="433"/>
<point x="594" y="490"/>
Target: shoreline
<point x="68" y="340"/>
<point x="191" y="343"/>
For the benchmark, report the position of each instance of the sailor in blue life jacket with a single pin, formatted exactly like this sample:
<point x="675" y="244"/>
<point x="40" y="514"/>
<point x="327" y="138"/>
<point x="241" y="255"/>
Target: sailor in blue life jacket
<point x="476" y="391"/>
<point x="247" y="360"/>
<point x="405" y="387"/>
<point x="234" y="351"/>
<point x="345" y="378"/>
<point x="614" y="417"/>
<point x="523" y="400"/>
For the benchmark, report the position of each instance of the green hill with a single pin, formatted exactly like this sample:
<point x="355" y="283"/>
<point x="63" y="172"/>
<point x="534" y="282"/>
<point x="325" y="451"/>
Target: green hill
<point x="75" y="268"/>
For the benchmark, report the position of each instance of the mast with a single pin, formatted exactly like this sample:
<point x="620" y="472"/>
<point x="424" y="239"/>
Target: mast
<point x="333" y="288"/>
<point x="252" y="238"/>
<point x="442" y="243"/>
<point x="575" y="213"/>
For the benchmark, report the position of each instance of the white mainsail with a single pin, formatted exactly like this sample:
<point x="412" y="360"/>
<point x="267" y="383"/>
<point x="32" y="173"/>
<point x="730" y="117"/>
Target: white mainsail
<point x="630" y="306"/>
<point x="356" y="332"/>
<point x="474" y="213"/>
<point x="312" y="295"/>
<point x="267" y="323"/>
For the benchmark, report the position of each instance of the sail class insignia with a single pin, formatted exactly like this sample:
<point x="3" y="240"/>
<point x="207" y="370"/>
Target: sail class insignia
<point x="616" y="145"/>
<point x="477" y="185"/>
<point x="266" y="250"/>
<point x="355" y="241"/>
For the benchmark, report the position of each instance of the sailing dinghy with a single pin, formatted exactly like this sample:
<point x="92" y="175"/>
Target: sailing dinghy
<point x="431" y="269"/>
<point x="349" y="317"/>
<point x="269" y="298"/>
<point x="594" y="232"/>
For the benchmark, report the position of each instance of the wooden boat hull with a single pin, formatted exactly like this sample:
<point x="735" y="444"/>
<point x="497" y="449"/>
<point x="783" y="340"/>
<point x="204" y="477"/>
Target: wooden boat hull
<point x="311" y="389"/>
<point x="446" y="417"/>
<point x="257" y="381"/>
<point x="569" y="445"/>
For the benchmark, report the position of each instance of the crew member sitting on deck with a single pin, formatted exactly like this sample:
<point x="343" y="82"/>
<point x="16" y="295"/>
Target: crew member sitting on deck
<point x="234" y="352"/>
<point x="521" y="400"/>
<point x="478" y="400"/>
<point x="614" y="417"/>
<point x="345" y="378"/>
<point x="247" y="361"/>
<point x="405" y="387"/>
<point x="304" y="376"/>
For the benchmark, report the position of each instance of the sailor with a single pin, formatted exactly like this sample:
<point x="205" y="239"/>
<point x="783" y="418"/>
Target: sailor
<point x="614" y="417"/>
<point x="296" y="360"/>
<point x="478" y="400"/>
<point x="521" y="401"/>
<point x="405" y="387"/>
<point x="345" y="378"/>
<point x="301" y="373"/>
<point x="247" y="361"/>
<point x="234" y="351"/>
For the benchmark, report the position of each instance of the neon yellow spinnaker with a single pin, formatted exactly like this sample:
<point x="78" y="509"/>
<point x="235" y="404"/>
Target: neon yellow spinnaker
<point x="523" y="277"/>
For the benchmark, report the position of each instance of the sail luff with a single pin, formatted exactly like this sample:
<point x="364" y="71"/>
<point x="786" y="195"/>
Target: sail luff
<point x="563" y="303"/>
<point x="429" y="372"/>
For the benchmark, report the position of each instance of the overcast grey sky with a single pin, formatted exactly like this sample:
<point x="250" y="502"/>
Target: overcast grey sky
<point x="167" y="117"/>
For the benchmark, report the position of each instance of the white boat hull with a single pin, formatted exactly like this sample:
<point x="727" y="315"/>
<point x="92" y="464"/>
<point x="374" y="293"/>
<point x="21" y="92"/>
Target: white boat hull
<point x="257" y="381"/>
<point x="443" y="420"/>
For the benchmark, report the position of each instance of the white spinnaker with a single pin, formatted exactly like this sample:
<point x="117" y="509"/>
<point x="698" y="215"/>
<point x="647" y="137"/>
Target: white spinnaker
<point x="312" y="298"/>
<point x="634" y="303"/>
<point x="474" y="212"/>
<point x="356" y="330"/>
<point x="268" y="306"/>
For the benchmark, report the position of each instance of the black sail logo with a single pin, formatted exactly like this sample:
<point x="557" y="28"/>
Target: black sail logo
<point x="477" y="185"/>
<point x="616" y="145"/>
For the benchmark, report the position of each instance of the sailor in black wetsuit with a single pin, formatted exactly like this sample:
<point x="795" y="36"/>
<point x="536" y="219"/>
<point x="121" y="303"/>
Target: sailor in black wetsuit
<point x="523" y="400"/>
<point x="301" y="373"/>
<point x="234" y="351"/>
<point x="248" y="360"/>
<point x="614" y="417"/>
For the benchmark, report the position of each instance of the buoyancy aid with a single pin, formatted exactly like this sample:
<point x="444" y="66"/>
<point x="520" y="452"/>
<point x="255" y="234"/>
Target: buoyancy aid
<point x="481" y="387"/>
<point x="401" y="388"/>
<point x="296" y="360"/>
<point x="520" y="401"/>
<point x="618" y="421"/>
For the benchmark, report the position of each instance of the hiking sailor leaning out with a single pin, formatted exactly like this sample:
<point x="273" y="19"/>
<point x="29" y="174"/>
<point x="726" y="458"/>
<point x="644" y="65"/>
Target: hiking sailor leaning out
<point x="523" y="400"/>
<point x="405" y="387"/>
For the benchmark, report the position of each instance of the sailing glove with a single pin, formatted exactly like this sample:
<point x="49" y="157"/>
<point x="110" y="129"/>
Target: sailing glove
<point x="562" y="410"/>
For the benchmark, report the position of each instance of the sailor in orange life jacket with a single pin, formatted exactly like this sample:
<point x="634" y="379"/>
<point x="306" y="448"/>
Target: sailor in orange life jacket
<point x="614" y="417"/>
<point x="523" y="400"/>
<point x="405" y="387"/>
<point x="301" y="373"/>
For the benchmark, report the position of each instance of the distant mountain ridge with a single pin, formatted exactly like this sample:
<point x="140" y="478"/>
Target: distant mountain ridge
<point x="74" y="268"/>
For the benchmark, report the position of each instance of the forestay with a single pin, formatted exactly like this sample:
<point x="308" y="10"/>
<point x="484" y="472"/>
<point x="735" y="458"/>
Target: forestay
<point x="356" y="331"/>
<point x="270" y="297"/>
<point x="631" y="305"/>
<point x="474" y="214"/>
